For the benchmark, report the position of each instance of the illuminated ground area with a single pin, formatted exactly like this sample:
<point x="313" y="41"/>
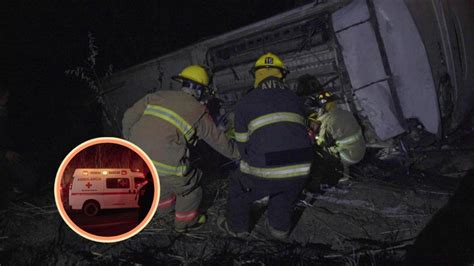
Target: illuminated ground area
<point x="374" y="218"/>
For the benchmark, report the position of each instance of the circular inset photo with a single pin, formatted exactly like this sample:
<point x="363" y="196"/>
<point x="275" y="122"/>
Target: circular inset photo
<point x="107" y="189"/>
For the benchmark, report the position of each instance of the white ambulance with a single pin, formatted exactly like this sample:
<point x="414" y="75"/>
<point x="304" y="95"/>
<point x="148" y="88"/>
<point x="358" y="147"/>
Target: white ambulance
<point x="95" y="189"/>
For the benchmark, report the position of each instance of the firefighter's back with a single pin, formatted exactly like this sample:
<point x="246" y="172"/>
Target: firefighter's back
<point x="161" y="139"/>
<point x="277" y="143"/>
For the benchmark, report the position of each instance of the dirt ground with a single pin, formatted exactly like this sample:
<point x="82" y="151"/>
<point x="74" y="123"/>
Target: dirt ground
<point x="370" y="220"/>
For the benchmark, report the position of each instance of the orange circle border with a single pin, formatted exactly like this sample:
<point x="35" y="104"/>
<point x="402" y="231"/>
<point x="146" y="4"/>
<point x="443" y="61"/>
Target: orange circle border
<point x="65" y="216"/>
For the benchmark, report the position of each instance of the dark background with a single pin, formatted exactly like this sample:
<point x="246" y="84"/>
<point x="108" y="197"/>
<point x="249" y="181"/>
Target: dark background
<point x="51" y="113"/>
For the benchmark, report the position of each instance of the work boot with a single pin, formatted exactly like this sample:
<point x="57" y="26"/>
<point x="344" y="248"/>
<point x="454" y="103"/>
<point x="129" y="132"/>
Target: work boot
<point x="224" y="227"/>
<point x="278" y="234"/>
<point x="200" y="222"/>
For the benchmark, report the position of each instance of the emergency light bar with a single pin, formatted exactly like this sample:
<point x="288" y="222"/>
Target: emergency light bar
<point x="122" y="172"/>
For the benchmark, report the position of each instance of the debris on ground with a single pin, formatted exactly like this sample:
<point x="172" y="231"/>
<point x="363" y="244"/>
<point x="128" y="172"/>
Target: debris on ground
<point x="366" y="220"/>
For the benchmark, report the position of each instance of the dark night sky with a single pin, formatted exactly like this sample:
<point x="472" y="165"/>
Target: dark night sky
<point x="51" y="113"/>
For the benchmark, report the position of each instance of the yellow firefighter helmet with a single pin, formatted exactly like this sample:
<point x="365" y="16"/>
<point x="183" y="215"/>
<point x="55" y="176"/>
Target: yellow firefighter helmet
<point x="326" y="100"/>
<point x="270" y="60"/>
<point x="325" y="97"/>
<point x="194" y="73"/>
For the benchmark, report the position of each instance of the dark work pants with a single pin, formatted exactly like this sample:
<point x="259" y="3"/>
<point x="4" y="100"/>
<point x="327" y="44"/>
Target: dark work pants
<point x="283" y="196"/>
<point x="326" y="169"/>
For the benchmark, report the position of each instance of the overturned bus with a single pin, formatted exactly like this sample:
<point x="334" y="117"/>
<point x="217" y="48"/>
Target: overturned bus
<point x="402" y="67"/>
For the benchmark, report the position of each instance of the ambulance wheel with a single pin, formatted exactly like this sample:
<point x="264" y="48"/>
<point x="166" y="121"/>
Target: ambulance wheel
<point x="91" y="208"/>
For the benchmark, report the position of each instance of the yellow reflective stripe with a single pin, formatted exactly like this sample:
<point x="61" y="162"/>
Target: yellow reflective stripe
<point x="350" y="140"/>
<point x="266" y="120"/>
<point x="241" y="137"/>
<point x="171" y="117"/>
<point x="272" y="118"/>
<point x="276" y="172"/>
<point x="346" y="158"/>
<point x="167" y="170"/>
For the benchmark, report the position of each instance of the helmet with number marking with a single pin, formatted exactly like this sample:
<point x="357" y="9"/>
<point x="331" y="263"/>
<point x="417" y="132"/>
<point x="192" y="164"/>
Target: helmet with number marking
<point x="270" y="60"/>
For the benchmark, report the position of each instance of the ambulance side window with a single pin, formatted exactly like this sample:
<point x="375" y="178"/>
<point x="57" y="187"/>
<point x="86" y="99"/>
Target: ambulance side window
<point x="118" y="183"/>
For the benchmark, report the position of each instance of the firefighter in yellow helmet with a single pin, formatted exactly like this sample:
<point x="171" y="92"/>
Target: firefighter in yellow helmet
<point x="268" y="65"/>
<point x="276" y="153"/>
<point x="195" y="81"/>
<point x="338" y="139"/>
<point x="166" y="125"/>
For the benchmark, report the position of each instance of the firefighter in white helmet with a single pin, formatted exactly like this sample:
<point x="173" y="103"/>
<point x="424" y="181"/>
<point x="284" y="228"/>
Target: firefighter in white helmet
<point x="166" y="125"/>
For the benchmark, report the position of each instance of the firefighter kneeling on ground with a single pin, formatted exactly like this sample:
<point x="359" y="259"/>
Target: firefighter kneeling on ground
<point x="166" y="125"/>
<point x="276" y="153"/>
<point x="338" y="140"/>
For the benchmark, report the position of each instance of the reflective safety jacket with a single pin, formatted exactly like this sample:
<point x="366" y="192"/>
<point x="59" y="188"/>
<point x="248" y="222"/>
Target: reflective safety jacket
<point x="342" y="134"/>
<point x="162" y="123"/>
<point x="271" y="133"/>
